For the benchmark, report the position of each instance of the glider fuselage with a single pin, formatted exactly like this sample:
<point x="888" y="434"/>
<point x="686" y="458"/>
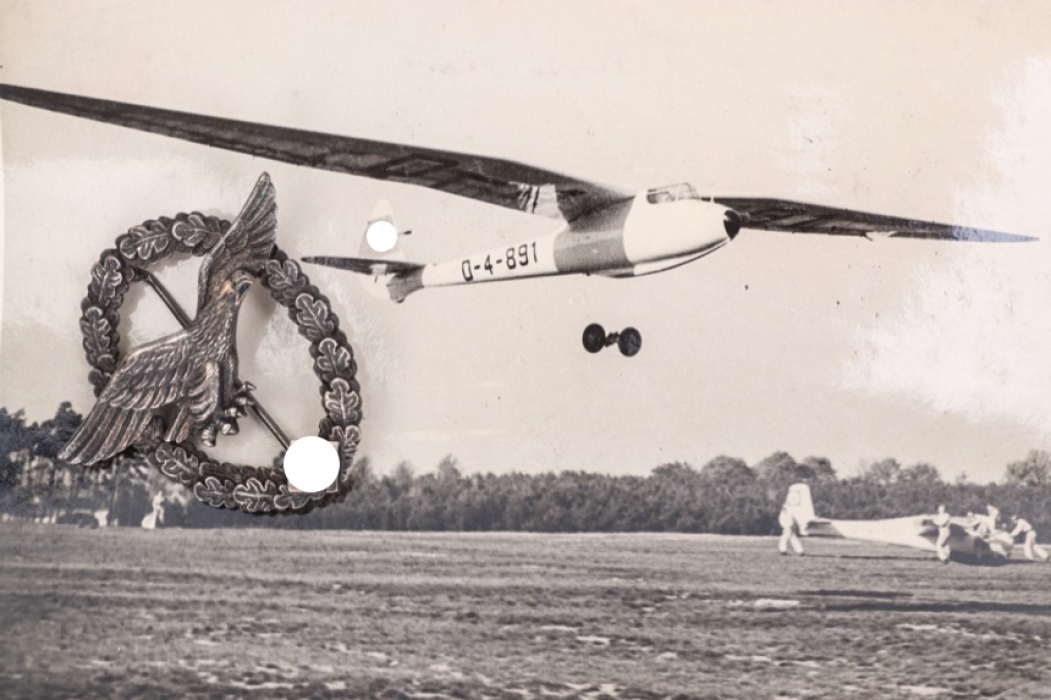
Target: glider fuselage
<point x="656" y="230"/>
<point x="912" y="531"/>
<point x="966" y="543"/>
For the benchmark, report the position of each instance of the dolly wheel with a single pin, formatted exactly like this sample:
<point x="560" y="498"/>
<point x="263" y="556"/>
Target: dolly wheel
<point x="594" y="338"/>
<point x="629" y="342"/>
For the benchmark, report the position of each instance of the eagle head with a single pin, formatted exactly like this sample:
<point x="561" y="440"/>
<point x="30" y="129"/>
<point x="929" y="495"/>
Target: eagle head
<point x="237" y="285"/>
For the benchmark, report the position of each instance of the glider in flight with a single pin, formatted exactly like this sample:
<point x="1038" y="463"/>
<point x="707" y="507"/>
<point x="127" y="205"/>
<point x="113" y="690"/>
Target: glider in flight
<point x="601" y="230"/>
<point x="968" y="542"/>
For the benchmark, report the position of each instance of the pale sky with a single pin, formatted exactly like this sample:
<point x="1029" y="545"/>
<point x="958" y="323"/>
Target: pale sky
<point x="850" y="349"/>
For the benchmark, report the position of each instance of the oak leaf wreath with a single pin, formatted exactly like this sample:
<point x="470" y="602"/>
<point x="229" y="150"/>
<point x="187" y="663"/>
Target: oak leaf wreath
<point x="221" y="484"/>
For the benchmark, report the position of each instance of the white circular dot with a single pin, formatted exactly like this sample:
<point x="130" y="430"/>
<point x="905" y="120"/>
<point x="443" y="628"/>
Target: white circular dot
<point x="381" y="236"/>
<point x="311" y="464"/>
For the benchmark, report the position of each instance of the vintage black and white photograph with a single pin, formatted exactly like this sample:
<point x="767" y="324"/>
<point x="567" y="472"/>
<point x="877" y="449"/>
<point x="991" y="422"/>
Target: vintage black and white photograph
<point x="523" y="350"/>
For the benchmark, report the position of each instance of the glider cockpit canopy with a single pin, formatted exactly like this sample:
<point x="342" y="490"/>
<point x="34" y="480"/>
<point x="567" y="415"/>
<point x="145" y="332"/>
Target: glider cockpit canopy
<point x="671" y="193"/>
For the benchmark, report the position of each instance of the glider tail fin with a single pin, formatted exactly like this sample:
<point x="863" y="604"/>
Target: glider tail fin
<point x="385" y="272"/>
<point x="383" y="241"/>
<point x="799" y="505"/>
<point x="381" y="236"/>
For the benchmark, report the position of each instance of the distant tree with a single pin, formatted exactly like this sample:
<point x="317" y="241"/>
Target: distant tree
<point x="725" y="467"/>
<point x="403" y="474"/>
<point x="129" y="498"/>
<point x="362" y="471"/>
<point x="402" y="490"/>
<point x="821" y="469"/>
<point x="1034" y="470"/>
<point x="728" y="473"/>
<point x="922" y="473"/>
<point x="776" y="467"/>
<point x="12" y="442"/>
<point x="674" y="471"/>
<point x="448" y="469"/>
<point x="57" y="431"/>
<point x="883" y="473"/>
<point x="12" y="431"/>
<point x="735" y="500"/>
<point x="779" y="471"/>
<point x="675" y="492"/>
<point x="918" y="489"/>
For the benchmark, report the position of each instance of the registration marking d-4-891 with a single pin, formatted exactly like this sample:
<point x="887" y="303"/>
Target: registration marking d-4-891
<point x="513" y="258"/>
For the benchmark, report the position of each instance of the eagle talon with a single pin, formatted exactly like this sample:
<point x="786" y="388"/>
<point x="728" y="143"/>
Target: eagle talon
<point x="243" y="396"/>
<point x="208" y="435"/>
<point x="227" y="424"/>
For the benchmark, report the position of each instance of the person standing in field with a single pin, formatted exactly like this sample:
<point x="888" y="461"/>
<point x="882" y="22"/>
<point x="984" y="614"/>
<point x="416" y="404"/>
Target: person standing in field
<point x="790" y="529"/>
<point x="993" y="518"/>
<point x="156" y="516"/>
<point x="941" y="546"/>
<point x="979" y="525"/>
<point x="1032" y="550"/>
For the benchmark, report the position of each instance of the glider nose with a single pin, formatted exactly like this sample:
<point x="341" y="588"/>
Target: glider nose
<point x="732" y="223"/>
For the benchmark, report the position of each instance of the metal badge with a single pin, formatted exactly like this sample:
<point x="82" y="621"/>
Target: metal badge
<point x="194" y="370"/>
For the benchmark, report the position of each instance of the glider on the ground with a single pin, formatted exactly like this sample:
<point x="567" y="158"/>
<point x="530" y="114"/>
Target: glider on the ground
<point x="971" y="539"/>
<point x="601" y="230"/>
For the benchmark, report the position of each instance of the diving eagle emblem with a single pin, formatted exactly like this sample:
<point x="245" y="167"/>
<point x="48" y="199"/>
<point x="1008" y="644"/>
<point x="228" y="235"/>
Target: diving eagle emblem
<point x="195" y="369"/>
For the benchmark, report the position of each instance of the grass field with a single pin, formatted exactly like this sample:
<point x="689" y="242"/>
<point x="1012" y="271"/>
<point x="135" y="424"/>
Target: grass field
<point x="131" y="613"/>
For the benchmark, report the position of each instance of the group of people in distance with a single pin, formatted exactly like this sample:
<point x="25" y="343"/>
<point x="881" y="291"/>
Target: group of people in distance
<point x="984" y="526"/>
<point x="981" y="526"/>
<point x="1031" y="548"/>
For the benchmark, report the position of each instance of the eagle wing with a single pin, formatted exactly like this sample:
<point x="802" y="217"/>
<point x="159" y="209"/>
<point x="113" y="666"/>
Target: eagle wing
<point x="200" y="401"/>
<point x="151" y="376"/>
<point x="245" y="246"/>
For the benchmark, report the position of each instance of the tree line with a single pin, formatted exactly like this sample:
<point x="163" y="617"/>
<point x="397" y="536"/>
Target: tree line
<point x="726" y="495"/>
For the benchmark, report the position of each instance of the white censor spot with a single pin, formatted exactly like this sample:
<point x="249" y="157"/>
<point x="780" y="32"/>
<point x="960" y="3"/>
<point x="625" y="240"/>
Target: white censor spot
<point x="311" y="464"/>
<point x="381" y="236"/>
